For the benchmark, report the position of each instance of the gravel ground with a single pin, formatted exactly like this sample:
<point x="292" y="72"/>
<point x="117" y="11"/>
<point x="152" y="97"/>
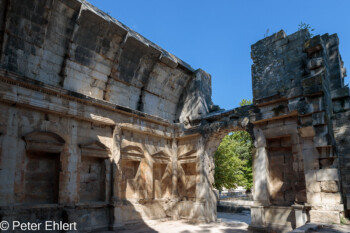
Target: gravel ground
<point x="227" y="222"/>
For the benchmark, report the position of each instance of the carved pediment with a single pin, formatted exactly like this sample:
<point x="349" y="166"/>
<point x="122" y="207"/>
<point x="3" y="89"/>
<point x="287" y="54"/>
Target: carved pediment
<point x="189" y="156"/>
<point x="161" y="157"/>
<point x="132" y="153"/>
<point x="44" y="141"/>
<point x="95" y="149"/>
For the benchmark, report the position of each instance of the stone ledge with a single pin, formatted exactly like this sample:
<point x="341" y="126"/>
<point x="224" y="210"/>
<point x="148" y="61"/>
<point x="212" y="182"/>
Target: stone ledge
<point x="340" y="93"/>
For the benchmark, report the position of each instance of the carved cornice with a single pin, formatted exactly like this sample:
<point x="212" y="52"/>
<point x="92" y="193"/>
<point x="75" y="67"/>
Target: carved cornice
<point x="44" y="141"/>
<point x="95" y="149"/>
<point x="17" y="80"/>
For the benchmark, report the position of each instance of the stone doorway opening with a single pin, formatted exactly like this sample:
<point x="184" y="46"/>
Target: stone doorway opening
<point x="234" y="177"/>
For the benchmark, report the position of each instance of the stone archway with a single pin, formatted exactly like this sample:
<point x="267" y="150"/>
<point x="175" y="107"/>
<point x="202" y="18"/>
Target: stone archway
<point x="213" y="128"/>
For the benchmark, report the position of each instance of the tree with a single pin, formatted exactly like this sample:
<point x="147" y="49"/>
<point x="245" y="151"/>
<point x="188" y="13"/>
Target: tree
<point x="303" y="26"/>
<point x="233" y="160"/>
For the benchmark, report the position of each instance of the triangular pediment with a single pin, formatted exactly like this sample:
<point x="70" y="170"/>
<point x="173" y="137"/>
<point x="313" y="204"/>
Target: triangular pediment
<point x="161" y="155"/>
<point x="96" y="145"/>
<point x="44" y="141"/>
<point x="44" y="137"/>
<point x="95" y="149"/>
<point x="135" y="150"/>
<point x="189" y="154"/>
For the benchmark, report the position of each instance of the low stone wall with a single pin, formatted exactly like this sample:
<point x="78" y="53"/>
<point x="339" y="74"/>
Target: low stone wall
<point x="233" y="206"/>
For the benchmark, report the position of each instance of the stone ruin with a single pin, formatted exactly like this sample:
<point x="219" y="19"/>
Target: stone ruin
<point x="102" y="127"/>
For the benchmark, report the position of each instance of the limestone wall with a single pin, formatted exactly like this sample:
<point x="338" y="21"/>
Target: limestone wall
<point x="298" y="137"/>
<point x="123" y="131"/>
<point x="77" y="159"/>
<point x="72" y="44"/>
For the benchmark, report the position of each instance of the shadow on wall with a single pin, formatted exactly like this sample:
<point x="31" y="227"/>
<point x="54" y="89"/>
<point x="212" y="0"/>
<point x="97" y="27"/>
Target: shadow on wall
<point x="135" y="222"/>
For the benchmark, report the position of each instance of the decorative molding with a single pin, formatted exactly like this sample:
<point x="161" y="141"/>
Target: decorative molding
<point x="28" y="83"/>
<point x="161" y="157"/>
<point x="133" y="153"/>
<point x="188" y="157"/>
<point x="44" y="141"/>
<point x="95" y="149"/>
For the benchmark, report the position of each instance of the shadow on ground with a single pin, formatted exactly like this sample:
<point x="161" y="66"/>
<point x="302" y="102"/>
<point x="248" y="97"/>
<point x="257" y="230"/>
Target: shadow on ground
<point x="226" y="223"/>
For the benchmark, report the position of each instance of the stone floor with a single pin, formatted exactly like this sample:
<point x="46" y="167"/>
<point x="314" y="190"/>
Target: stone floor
<point x="227" y="222"/>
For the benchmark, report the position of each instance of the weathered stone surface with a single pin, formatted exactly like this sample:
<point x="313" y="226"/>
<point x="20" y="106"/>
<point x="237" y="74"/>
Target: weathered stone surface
<point x="307" y="131"/>
<point x="324" y="216"/>
<point x="329" y="186"/>
<point x="99" y="123"/>
<point x="329" y="174"/>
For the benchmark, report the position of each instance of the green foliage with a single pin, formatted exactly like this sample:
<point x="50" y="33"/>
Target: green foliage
<point x="303" y="26"/>
<point x="233" y="160"/>
<point x="245" y="102"/>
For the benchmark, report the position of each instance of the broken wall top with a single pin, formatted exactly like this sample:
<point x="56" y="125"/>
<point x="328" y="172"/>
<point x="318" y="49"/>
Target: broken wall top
<point x="283" y="63"/>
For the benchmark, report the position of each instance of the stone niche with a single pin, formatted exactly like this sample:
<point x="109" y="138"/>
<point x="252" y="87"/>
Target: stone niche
<point x="286" y="173"/>
<point x="42" y="167"/>
<point x="187" y="169"/>
<point x="162" y="173"/>
<point x="94" y="171"/>
<point x="41" y="177"/>
<point x="187" y="180"/>
<point x="132" y="182"/>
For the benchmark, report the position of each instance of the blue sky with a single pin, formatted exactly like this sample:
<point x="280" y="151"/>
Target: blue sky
<point x="216" y="35"/>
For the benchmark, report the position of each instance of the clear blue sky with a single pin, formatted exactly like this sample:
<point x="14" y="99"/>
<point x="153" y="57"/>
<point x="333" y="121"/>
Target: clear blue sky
<point x="216" y="35"/>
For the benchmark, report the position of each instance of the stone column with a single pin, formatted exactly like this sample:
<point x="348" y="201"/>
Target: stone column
<point x="260" y="171"/>
<point x="174" y="191"/>
<point x="202" y="187"/>
<point x="206" y="199"/>
<point x="70" y="160"/>
<point x="12" y="149"/>
<point x="117" y="217"/>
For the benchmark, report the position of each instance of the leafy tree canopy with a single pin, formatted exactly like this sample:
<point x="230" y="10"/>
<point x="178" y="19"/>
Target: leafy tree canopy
<point x="233" y="160"/>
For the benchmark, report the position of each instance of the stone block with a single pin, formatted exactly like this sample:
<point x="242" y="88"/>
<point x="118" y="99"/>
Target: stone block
<point x="328" y="207"/>
<point x="328" y="174"/>
<point x="313" y="45"/>
<point x="315" y="63"/>
<point x="331" y="198"/>
<point x="308" y="131"/>
<point x="294" y="92"/>
<point x="283" y="214"/>
<point x="315" y="90"/>
<point x="169" y="60"/>
<point x="313" y="198"/>
<point x="340" y="93"/>
<point x="324" y="216"/>
<point x="313" y="187"/>
<point x="300" y="215"/>
<point x="319" y="118"/>
<point x="310" y="176"/>
<point x="312" y="81"/>
<point x="321" y="141"/>
<point x="257" y="215"/>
